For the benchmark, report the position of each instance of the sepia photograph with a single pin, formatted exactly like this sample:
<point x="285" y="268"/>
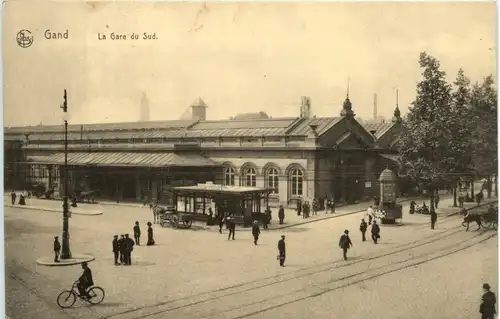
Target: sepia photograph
<point x="260" y="160"/>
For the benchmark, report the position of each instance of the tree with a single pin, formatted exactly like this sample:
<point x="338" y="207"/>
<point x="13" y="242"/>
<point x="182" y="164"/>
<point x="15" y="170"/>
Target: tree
<point x="461" y="130"/>
<point x="483" y="115"/>
<point x="428" y="145"/>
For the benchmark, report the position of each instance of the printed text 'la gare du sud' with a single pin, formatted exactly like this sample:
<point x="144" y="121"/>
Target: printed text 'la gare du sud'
<point x="127" y="36"/>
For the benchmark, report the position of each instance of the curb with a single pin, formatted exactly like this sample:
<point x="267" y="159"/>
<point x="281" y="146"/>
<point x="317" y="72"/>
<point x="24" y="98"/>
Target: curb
<point x="75" y="260"/>
<point x="52" y="210"/>
<point x="320" y="219"/>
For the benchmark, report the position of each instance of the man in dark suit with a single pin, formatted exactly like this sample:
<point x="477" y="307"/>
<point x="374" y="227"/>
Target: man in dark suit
<point x="121" y="249"/>
<point x="375" y="232"/>
<point x="116" y="249"/>
<point x="255" y="231"/>
<point x="137" y="234"/>
<point x="232" y="227"/>
<point x="129" y="247"/>
<point x="345" y="243"/>
<point x="57" y="249"/>
<point x="488" y="301"/>
<point x="282" y="251"/>
<point x="362" y="228"/>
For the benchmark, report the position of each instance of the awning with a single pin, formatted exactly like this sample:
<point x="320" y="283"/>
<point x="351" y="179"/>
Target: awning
<point x="115" y="159"/>
<point x="392" y="157"/>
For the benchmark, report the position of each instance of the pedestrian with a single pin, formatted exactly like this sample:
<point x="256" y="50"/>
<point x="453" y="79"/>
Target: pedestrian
<point x="488" y="301"/>
<point x="282" y="251"/>
<point x="116" y="249"/>
<point x="137" y="234"/>
<point x="375" y="232"/>
<point x="412" y="207"/>
<point x="299" y="207"/>
<point x="129" y="247"/>
<point x="326" y="204"/>
<point x="57" y="249"/>
<point x="434" y="218"/>
<point x="266" y="218"/>
<point x="315" y="207"/>
<point x="281" y="214"/>
<point x="221" y="221"/>
<point x="13" y="197"/>
<point x="151" y="241"/>
<point x="332" y="205"/>
<point x="362" y="228"/>
<point x="255" y="231"/>
<point x="232" y="227"/>
<point x="369" y="213"/>
<point x="345" y="243"/>
<point x="122" y="249"/>
<point x="436" y="199"/>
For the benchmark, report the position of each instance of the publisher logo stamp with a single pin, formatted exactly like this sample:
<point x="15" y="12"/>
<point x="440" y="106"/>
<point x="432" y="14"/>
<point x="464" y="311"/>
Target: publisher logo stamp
<point x="24" y="38"/>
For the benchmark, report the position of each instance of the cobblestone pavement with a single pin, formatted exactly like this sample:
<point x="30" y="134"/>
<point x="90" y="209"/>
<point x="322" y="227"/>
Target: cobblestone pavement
<point x="196" y="266"/>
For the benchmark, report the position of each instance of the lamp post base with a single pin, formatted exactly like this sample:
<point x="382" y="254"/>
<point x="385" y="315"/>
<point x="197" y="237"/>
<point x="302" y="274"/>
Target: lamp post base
<point x="74" y="260"/>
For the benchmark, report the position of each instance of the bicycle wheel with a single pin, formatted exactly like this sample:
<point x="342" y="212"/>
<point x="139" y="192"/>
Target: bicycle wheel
<point x="96" y="295"/>
<point x="66" y="299"/>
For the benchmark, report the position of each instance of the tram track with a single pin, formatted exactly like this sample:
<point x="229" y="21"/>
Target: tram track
<point x="214" y="295"/>
<point x="317" y="285"/>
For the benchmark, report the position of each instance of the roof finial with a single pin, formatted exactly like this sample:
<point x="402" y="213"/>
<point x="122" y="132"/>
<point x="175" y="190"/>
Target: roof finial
<point x="397" y="98"/>
<point x="397" y="113"/>
<point x="348" y="80"/>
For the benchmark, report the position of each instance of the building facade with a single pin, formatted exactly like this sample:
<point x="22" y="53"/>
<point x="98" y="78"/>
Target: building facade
<point x="299" y="158"/>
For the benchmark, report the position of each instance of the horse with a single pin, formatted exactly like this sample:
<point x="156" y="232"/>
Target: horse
<point x="472" y="218"/>
<point x="157" y="212"/>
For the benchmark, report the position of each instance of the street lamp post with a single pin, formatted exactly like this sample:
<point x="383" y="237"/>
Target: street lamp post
<point x="66" y="252"/>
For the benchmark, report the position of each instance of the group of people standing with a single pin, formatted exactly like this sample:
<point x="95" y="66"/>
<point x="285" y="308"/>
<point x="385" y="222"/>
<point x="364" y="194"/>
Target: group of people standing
<point x="22" y="198"/>
<point x="123" y="247"/>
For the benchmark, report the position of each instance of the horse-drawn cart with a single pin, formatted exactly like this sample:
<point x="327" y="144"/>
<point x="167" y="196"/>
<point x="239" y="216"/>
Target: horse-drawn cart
<point x="176" y="219"/>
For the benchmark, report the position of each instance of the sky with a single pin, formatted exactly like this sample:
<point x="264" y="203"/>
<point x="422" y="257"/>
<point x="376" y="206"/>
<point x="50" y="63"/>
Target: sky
<point x="238" y="57"/>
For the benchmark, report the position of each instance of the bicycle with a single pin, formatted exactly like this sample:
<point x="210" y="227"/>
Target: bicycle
<point x="67" y="298"/>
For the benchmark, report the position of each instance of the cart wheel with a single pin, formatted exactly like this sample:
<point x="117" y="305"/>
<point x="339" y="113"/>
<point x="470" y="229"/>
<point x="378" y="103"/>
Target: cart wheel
<point x="187" y="223"/>
<point x="487" y="224"/>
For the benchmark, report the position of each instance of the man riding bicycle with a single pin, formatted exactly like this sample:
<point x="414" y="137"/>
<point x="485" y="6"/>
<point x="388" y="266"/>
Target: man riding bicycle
<point x="85" y="281"/>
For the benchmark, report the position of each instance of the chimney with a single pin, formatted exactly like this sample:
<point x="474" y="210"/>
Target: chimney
<point x="305" y="107"/>
<point x="375" y="111"/>
<point x="199" y="110"/>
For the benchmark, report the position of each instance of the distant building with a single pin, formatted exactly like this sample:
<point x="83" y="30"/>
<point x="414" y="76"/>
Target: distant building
<point x="250" y="116"/>
<point x="297" y="157"/>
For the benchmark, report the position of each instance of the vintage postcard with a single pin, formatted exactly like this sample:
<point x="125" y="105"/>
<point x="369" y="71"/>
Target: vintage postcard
<point x="250" y="160"/>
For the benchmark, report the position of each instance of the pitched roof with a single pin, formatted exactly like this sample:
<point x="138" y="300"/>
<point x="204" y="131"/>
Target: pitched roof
<point x="199" y="102"/>
<point x="379" y="128"/>
<point x="122" y="126"/>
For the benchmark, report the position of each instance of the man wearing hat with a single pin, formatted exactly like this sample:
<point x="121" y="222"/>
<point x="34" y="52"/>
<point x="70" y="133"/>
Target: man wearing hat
<point x="345" y="243"/>
<point x="231" y="225"/>
<point x="122" y="249"/>
<point x="282" y="251"/>
<point x="137" y="234"/>
<point x="488" y="301"/>
<point x="57" y="249"/>
<point x="255" y="231"/>
<point x="116" y="249"/>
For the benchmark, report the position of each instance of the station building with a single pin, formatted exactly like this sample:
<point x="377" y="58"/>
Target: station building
<point x="302" y="157"/>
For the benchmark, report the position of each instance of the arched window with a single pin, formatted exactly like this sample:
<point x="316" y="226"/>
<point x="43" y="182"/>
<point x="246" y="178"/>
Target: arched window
<point x="297" y="181"/>
<point x="250" y="177"/>
<point x="229" y="176"/>
<point x="272" y="180"/>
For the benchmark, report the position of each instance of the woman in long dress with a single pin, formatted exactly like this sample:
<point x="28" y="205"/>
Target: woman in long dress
<point x="151" y="241"/>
